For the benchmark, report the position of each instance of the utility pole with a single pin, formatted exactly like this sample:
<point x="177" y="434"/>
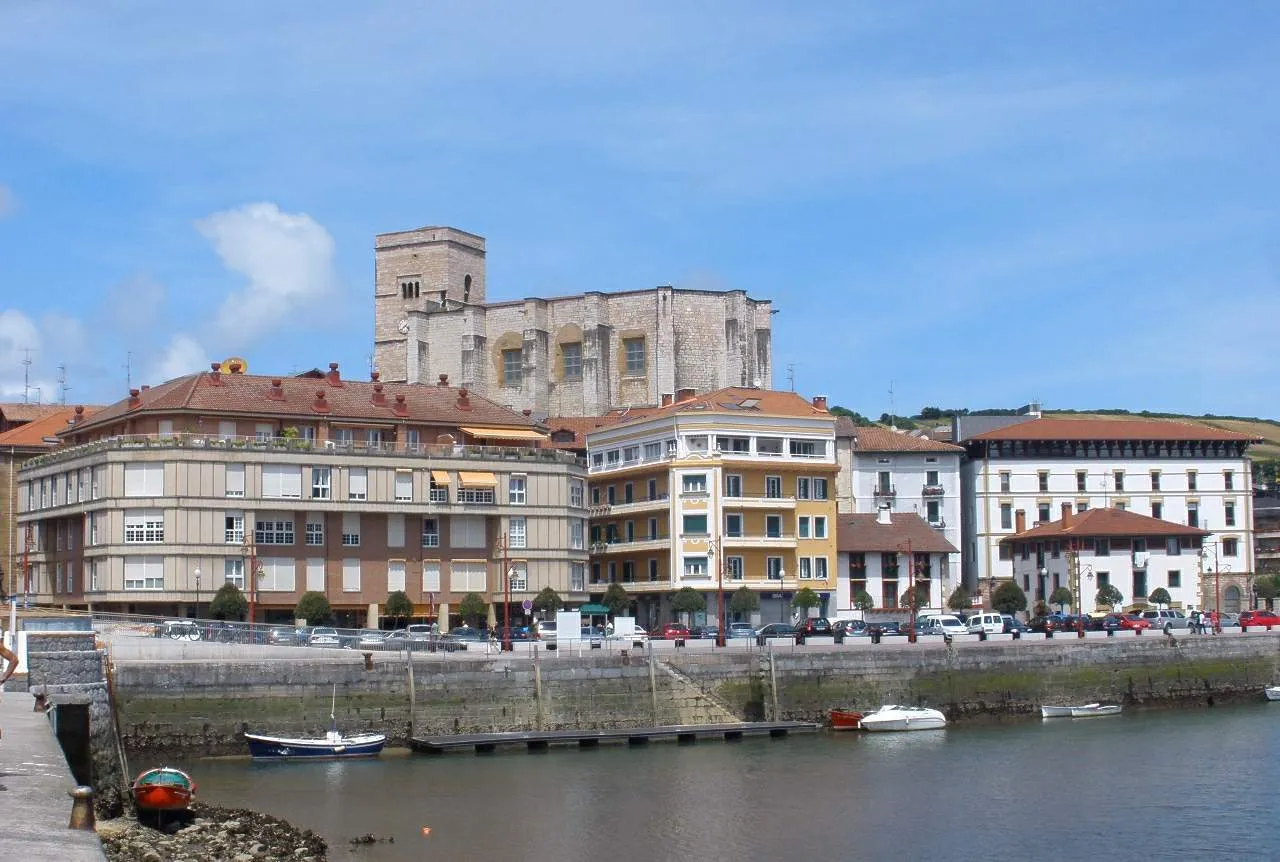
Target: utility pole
<point x="128" y="370"/>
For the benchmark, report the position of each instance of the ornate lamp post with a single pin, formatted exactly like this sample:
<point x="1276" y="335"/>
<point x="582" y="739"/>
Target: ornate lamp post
<point x="716" y="551"/>
<point x="197" y="574"/>
<point x="250" y="550"/>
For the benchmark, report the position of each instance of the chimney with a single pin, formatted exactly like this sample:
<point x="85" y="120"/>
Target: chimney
<point x="379" y="399"/>
<point x="1020" y="521"/>
<point x="444" y="380"/>
<point x="400" y="408"/>
<point x="883" y="516"/>
<point x="820" y="402"/>
<point x="134" y="400"/>
<point x="276" y="392"/>
<point x="320" y="405"/>
<point x="683" y="395"/>
<point x="1066" y="515"/>
<point x="374" y="375"/>
<point x="666" y="399"/>
<point x="236" y="368"/>
<point x="463" y="402"/>
<point x="79" y="417"/>
<point x="215" y="373"/>
<point x="334" y="378"/>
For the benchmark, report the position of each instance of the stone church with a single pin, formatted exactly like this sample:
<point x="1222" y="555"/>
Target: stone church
<point x="581" y="355"/>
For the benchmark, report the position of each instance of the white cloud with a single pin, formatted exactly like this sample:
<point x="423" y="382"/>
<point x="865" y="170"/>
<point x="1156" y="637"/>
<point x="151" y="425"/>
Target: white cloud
<point x="183" y="355"/>
<point x="288" y="261"/>
<point x="8" y="202"/>
<point x="18" y="335"/>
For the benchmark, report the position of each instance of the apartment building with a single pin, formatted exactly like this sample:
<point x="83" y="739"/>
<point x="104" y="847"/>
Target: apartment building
<point x="1136" y="554"/>
<point x="284" y="485"/>
<point x="1177" y="472"/>
<point x="718" y="491"/>
<point x="879" y="554"/>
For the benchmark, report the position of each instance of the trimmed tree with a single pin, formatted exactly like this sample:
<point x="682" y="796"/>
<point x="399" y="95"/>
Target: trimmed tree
<point x="398" y="607"/>
<point x="228" y="603"/>
<point x="1060" y="597"/>
<point x="314" y="608"/>
<point x="616" y="599"/>
<point x="1108" y="596"/>
<point x="743" y="601"/>
<point x="805" y="600"/>
<point x="547" y="600"/>
<point x="472" y="609"/>
<point x="959" y="600"/>
<point x="1160" y="596"/>
<point x="862" y="601"/>
<point x="687" y="600"/>
<point x="1009" y="599"/>
<point x="915" y="598"/>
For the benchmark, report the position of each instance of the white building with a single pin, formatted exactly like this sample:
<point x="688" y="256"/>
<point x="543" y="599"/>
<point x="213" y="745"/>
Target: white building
<point x="876" y="554"/>
<point x="1177" y="472"/>
<point x="1136" y="554"/>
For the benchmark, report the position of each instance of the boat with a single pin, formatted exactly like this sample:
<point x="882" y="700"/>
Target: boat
<point x="1093" y="710"/>
<point x="1273" y="692"/>
<point x="334" y="744"/>
<point x="844" y="719"/>
<point x="163" y="789"/>
<point x="1057" y="711"/>
<point x="892" y="717"/>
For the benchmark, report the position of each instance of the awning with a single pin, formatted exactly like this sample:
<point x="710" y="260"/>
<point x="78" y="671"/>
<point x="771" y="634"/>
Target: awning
<point x="440" y="477"/>
<point x="505" y="433"/>
<point x="593" y="610"/>
<point x="477" y="480"/>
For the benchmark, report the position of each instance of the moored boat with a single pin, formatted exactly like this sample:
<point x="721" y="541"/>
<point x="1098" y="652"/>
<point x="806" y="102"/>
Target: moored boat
<point x="163" y="789"/>
<point x="1055" y="711"/>
<point x="894" y="718"/>
<point x="332" y="745"/>
<point x="1093" y="710"/>
<point x="845" y="719"/>
<point x="1273" y="692"/>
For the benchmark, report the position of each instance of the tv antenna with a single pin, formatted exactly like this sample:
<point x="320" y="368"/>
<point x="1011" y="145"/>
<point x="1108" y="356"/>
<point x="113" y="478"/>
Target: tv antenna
<point x="791" y="376"/>
<point x="892" y="407"/>
<point x="62" y="384"/>
<point x="26" y="375"/>
<point x="128" y="370"/>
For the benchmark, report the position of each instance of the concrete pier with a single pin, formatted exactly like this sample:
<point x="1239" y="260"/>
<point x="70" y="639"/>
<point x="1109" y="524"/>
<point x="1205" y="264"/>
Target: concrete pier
<point x="34" y="784"/>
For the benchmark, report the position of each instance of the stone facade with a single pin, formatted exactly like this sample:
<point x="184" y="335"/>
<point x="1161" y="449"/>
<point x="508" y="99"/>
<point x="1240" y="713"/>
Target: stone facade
<point x="577" y="355"/>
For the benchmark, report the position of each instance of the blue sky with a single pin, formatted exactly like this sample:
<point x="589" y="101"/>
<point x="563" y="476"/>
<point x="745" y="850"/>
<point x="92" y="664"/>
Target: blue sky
<point x="984" y="203"/>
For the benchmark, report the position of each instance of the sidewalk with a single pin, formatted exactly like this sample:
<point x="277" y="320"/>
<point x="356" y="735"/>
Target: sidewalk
<point x="34" y="780"/>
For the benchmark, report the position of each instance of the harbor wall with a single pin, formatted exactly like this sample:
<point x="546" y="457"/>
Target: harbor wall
<point x="202" y="707"/>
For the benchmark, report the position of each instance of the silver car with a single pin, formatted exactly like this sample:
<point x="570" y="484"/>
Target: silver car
<point x="1165" y="621"/>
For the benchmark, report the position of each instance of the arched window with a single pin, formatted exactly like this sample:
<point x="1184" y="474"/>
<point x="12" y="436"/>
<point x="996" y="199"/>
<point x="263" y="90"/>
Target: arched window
<point x="1231" y="600"/>
<point x="466" y="288"/>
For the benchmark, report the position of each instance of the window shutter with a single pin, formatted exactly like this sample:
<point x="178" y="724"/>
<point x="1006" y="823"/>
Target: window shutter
<point x="358" y="482"/>
<point x="395" y="576"/>
<point x="404" y="485"/>
<point x="350" y="575"/>
<point x="431" y="577"/>
<point x="235" y="480"/>
<point x="395" y="532"/>
<point x="315" y="575"/>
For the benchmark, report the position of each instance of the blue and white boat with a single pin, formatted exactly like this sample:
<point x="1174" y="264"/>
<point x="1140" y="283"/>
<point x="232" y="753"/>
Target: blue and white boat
<point x="328" y="747"/>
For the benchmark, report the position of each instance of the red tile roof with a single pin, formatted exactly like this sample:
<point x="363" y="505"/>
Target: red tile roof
<point x="1059" y="428"/>
<point x="31" y="435"/>
<point x="28" y="412"/>
<point x="736" y="400"/>
<point x="1107" y="522"/>
<point x="251" y="394"/>
<point x="866" y="533"/>
<point x="877" y="439"/>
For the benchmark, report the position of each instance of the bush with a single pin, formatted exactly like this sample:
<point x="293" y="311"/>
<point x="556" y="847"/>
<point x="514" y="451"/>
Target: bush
<point x="743" y="601"/>
<point x="1108" y="596"/>
<point x="687" y="600"/>
<point x="547" y="600"/>
<point x="616" y="599"/>
<point x="862" y="601"/>
<point x="959" y="600"/>
<point x="228" y="603"/>
<point x="398" y="607"/>
<point x="314" y="608"/>
<point x="472" y="609"/>
<point x="1009" y="599"/>
<point x="805" y="599"/>
<point x="1160" y="596"/>
<point x="1060" y="597"/>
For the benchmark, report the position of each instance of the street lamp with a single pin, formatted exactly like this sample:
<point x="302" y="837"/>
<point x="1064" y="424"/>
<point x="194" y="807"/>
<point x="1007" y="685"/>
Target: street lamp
<point x="197" y="574"/>
<point x="247" y="548"/>
<point x="782" y="580"/>
<point x="716" y="551"/>
<point x="507" y="570"/>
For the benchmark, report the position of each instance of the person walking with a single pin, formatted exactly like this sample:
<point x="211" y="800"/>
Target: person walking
<point x="1195" y="622"/>
<point x="1215" y="620"/>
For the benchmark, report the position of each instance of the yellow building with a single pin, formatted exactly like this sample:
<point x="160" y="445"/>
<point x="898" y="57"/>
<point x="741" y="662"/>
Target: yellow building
<point x="722" y="490"/>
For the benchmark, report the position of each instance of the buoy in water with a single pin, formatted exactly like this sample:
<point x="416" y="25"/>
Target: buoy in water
<point x="426" y="830"/>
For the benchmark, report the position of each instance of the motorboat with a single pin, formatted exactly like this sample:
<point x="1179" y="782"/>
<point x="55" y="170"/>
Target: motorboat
<point x="892" y="717"/>
<point x="844" y="719"/>
<point x="330" y="746"/>
<point x="163" y="789"/>
<point x="1273" y="692"/>
<point x="1094" y="710"/>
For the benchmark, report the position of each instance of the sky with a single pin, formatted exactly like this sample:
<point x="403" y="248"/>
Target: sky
<point x="967" y="203"/>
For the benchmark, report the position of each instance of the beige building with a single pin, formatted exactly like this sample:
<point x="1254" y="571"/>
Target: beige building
<point x="283" y="485"/>
<point x="581" y="355"/>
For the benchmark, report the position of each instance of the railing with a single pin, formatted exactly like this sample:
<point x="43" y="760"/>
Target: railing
<point x="933" y="491"/>
<point x="188" y="440"/>
<point x="438" y="495"/>
<point x="885" y="493"/>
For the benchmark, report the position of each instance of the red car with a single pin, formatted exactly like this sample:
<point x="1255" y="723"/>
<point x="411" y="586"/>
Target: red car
<point x="1124" y="623"/>
<point x="1259" y="619"/>
<point x="672" y="631"/>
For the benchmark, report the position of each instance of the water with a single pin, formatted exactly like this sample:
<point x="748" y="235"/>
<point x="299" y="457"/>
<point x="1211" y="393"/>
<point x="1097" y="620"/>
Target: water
<point x="1198" y="784"/>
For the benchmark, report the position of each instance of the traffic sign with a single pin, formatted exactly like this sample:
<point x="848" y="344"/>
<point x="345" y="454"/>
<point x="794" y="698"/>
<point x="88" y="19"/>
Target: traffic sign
<point x="527" y="604"/>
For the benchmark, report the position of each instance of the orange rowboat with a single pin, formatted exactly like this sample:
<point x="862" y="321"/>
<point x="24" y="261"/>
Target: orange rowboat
<point x="163" y="789"/>
<point x="845" y="719"/>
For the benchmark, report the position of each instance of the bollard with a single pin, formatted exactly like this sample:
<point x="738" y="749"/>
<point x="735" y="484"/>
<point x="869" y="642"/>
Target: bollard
<point x="1138" y="632"/>
<point x="839" y="637"/>
<point x="679" y="642"/>
<point x="1016" y="634"/>
<point x="81" y="808"/>
<point x="1111" y="633"/>
<point x="1048" y="633"/>
<point x="1243" y="628"/>
<point x="875" y="636"/>
<point x="1080" y="633"/>
<point x="982" y="635"/>
<point x="368" y="660"/>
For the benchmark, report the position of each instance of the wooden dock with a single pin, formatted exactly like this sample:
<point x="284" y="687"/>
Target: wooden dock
<point x="540" y="740"/>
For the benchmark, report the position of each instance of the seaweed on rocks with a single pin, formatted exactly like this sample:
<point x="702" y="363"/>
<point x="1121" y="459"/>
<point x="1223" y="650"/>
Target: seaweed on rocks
<point x="210" y="834"/>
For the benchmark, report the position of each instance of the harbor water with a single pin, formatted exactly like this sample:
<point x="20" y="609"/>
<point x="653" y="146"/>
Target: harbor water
<point x="1197" y="784"/>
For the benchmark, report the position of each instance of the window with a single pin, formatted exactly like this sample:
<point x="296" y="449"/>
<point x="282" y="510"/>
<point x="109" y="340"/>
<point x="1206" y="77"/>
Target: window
<point x="613" y="458"/>
<point x="467" y="531"/>
<point x="733" y="524"/>
<point x="773" y="487"/>
<point x="633" y="349"/>
<point x="143" y="527"/>
<point x="1004" y="481"/>
<point x="629" y="492"/>
<point x="412" y="438"/>
<point x="410" y="288"/>
<point x="351" y="529"/>
<point x="321" y="483"/>
<point x="773" y="568"/>
<point x="884" y="482"/>
<point x="512" y="367"/>
<point x="1230" y="547"/>
<point x="1118" y="476"/>
<point x="1172" y="547"/>
<point x="95" y="518"/>
<point x="315" y="530"/>
<point x="404" y="486"/>
<point x="233" y="528"/>
<point x="933" y="511"/>
<point x="1042" y="479"/>
<point x="227" y="429"/>
<point x="395" y="575"/>
<point x="431" y="576"/>
<point x="576" y="531"/>
<point x="802" y="487"/>
<point x="272" y="532"/>
<point x="695" y="567"/>
<point x="577" y="577"/>
<point x="395" y="531"/>
<point x="1102" y="547"/>
<point x="629" y="531"/>
<point x="773" y="526"/>
<point x="695" y="525"/>
<point x="732" y="485"/>
<point x="476" y="495"/>
<point x="140" y="480"/>
<point x="820" y="568"/>
<point x="282" y="481"/>
<point x="1006" y="516"/>
<point x="233" y="571"/>
<point x="1104" y="579"/>
<point x="519" y="575"/>
<point x="1121" y="505"/>
<point x="653" y="528"/>
<point x="469" y="577"/>
<point x="91" y="576"/>
<point x="1191" y="480"/>
<point x="819" y="526"/>
<point x="235" y="481"/>
<point x="931" y="478"/>
<point x="576" y="493"/>
<point x="770" y="447"/>
<point x="610" y="495"/>
<point x="516" y="533"/>
<point x="357" y="483"/>
<point x="818" y="488"/>
<point x="802" y="527"/>
<point x="1175" y="579"/>
<point x="343" y="436"/>
<point x="350" y="575"/>
<point x="439" y="492"/>
<point x="1229" y="480"/>
<point x="741" y="445"/>
<point x="263" y="432"/>
<point x="571" y="361"/>
<point x="1157" y="509"/>
<point x="430" y="533"/>
<point x="1229" y="514"/>
<point x="630" y="455"/>
<point x="653" y="451"/>
<point x="1193" y="514"/>
<point x="806" y="568"/>
<point x="694" y="483"/>
<point x="1139" y="583"/>
<point x="1042" y="512"/>
<point x="144" y="573"/>
<point x="1081" y="481"/>
<point x="1155" y="480"/>
<point x="277" y="574"/>
<point x="808" y="448"/>
<point x="373" y="437"/>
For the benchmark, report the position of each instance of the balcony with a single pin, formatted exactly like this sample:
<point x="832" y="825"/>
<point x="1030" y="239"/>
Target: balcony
<point x="885" y="493"/>
<point x="940" y="524"/>
<point x="933" y="491"/>
<point x="657" y="503"/>
<point x="619" y="547"/>
<point x="782" y="540"/>
<point x="758" y="502"/>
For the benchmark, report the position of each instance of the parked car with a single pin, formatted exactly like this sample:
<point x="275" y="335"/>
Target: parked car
<point x="849" y="628"/>
<point x="775" y="631"/>
<point x="1013" y="624"/>
<point x="885" y="628"/>
<point x="371" y="639"/>
<point x="741" y="630"/>
<point x="637" y="636"/>
<point x="397" y="640"/>
<point x="1229" y="620"/>
<point x="545" y="630"/>
<point x="516" y="633"/>
<point x="943" y="624"/>
<point x="1124" y="622"/>
<point x="461" y="637"/>
<point x="593" y="635"/>
<point x="985" y="623"/>
<point x="1258" y="619"/>
<point x="1047" y="622"/>
<point x="673" y="631"/>
<point x="1073" y="622"/>
<point x="814" y="626"/>
<point x="1165" y="620"/>
<point x="324" y="636"/>
<point x="704" y="632"/>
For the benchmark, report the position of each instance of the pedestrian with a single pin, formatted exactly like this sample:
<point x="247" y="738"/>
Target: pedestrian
<point x="1215" y="619"/>
<point x="1197" y="622"/>
<point x="8" y="655"/>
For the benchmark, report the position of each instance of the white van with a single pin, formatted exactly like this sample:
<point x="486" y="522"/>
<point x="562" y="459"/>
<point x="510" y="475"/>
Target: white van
<point x="942" y="624"/>
<point x="990" y="623"/>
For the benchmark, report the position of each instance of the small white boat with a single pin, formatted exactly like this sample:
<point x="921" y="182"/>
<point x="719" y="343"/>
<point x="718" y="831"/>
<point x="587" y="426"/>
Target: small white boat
<point x="1093" y="710"/>
<point x="892" y="717"/>
<point x="1058" y="711"/>
<point x="1273" y="692"/>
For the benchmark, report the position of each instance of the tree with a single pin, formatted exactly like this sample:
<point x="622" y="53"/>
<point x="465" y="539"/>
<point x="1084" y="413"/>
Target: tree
<point x="862" y="601"/>
<point x="743" y="601"/>
<point x="616" y="599"/>
<point x="915" y="597"/>
<point x="472" y="609"/>
<point x="687" y="600"/>
<point x="1009" y="599"/>
<point x="1041" y="609"/>
<point x="1060" y="597"/>
<point x="1108" y="596"/>
<point x="548" y="600"/>
<point x="805" y="599"/>
<point x="858" y="418"/>
<point x="1159" y="596"/>
<point x="959" y="600"/>
<point x="1267" y="587"/>
<point x="228" y="603"/>
<point x="398" y="606"/>
<point x="314" y="608"/>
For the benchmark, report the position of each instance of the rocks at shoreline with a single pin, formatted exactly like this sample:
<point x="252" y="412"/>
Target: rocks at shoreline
<point x="210" y="834"/>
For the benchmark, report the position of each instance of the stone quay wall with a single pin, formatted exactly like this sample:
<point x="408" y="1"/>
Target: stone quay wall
<point x="203" y="707"/>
